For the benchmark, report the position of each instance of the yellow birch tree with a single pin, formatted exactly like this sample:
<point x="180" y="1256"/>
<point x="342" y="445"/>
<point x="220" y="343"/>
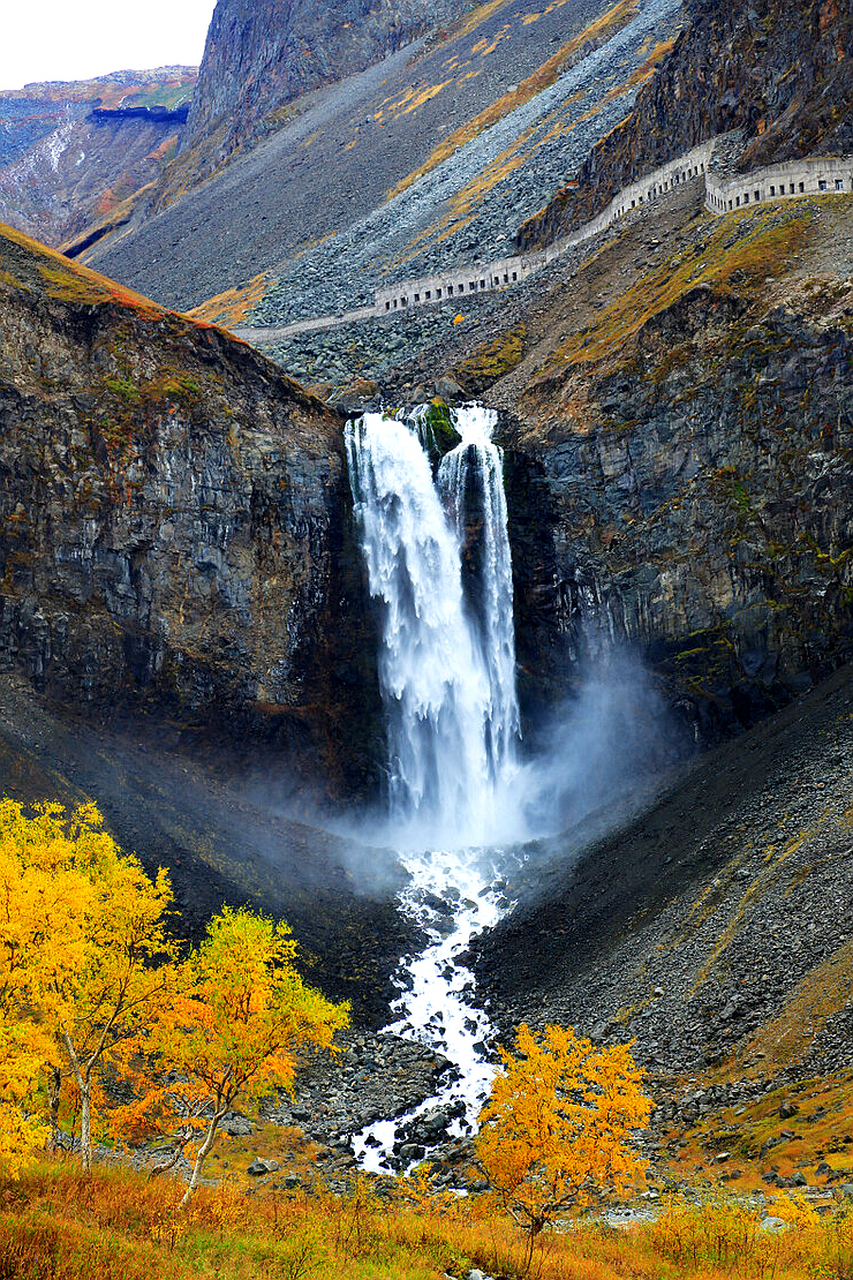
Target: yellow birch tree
<point x="41" y="940"/>
<point x="231" y="1037"/>
<point x="557" y="1126"/>
<point x="86" y="950"/>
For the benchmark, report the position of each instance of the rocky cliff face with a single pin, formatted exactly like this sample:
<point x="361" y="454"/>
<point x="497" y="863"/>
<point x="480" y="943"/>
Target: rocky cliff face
<point x="76" y="154"/>
<point x="260" y="56"/>
<point x="173" y="529"/>
<point x="680" y="468"/>
<point x="780" y="70"/>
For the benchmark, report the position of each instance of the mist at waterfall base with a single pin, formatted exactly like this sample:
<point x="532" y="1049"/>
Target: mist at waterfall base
<point x="437" y="554"/>
<point x="462" y="799"/>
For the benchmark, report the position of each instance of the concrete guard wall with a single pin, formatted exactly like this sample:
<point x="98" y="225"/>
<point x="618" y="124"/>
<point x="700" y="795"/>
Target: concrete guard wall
<point x="815" y="176"/>
<point x="461" y="282"/>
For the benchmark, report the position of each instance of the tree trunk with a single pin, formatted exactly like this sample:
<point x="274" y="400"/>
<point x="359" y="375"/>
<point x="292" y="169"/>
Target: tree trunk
<point x="84" y="1084"/>
<point x="171" y="1162"/>
<point x="55" y="1089"/>
<point x="203" y="1152"/>
<point x="86" y="1125"/>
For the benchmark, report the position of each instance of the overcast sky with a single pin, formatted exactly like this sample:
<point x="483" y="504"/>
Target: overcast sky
<point x="65" y="40"/>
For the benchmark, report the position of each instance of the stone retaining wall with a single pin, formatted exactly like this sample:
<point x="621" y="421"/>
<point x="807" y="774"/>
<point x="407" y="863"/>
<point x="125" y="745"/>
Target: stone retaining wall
<point x="463" y="281"/>
<point x="816" y="176"/>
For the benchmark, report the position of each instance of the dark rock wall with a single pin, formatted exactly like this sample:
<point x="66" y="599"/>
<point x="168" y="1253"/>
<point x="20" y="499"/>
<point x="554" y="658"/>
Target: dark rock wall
<point x="694" y="502"/>
<point x="781" y="70"/>
<point x="174" y="528"/>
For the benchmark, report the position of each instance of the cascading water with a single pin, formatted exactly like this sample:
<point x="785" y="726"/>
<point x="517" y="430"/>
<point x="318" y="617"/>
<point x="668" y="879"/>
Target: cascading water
<point x="438" y="562"/>
<point x="446" y="666"/>
<point x="470" y="479"/>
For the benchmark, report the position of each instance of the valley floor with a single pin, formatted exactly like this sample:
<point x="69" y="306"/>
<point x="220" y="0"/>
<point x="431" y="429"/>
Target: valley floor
<point x="57" y="1225"/>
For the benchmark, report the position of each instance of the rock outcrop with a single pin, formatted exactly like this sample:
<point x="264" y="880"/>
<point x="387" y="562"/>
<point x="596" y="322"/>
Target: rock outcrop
<point x="680" y="470"/>
<point x="779" y="70"/>
<point x="174" y="531"/>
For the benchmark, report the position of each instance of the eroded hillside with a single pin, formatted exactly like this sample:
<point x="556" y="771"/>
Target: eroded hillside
<point x="74" y="157"/>
<point x="259" y="57"/>
<point x="432" y="155"/>
<point x="780" y="70"/>
<point x="715" y="930"/>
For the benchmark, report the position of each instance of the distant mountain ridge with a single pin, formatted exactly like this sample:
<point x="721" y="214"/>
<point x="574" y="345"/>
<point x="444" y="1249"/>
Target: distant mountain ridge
<point x="71" y="152"/>
<point x="110" y="88"/>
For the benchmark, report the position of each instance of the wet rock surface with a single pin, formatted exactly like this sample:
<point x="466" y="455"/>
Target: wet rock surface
<point x="375" y="1077"/>
<point x="685" y="493"/>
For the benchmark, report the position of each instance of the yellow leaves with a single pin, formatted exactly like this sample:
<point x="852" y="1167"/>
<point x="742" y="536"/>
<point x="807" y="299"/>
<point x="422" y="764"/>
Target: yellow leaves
<point x="230" y="1031"/>
<point x="245" y="1008"/>
<point x="558" y="1123"/>
<point x="794" y="1210"/>
<point x="89" y="980"/>
<point x="458" y="319"/>
<point x="79" y="926"/>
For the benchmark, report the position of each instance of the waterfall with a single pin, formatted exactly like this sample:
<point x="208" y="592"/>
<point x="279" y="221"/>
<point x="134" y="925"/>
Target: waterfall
<point x="470" y="479"/>
<point x="438" y="562"/>
<point x="434" y="538"/>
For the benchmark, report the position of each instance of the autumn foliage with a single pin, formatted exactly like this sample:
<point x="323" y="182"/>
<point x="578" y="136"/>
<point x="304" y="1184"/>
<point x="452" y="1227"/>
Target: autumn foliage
<point x="557" y="1127"/>
<point x="95" y="998"/>
<point x="229" y="1033"/>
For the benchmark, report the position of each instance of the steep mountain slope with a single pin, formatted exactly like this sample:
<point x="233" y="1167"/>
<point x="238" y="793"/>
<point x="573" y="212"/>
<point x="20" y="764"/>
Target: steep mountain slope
<point x="780" y="70"/>
<point x="688" y="435"/>
<point x="172" y="524"/>
<point x="675" y="402"/>
<point x="433" y="153"/>
<point x="71" y="154"/>
<point x="222" y="822"/>
<point x="715" y="929"/>
<point x="260" y="56"/>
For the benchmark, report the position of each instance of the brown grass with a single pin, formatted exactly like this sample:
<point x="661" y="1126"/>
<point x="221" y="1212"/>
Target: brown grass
<point x="57" y="1225"/>
<point x="823" y="1121"/>
<point x="233" y="305"/>
<point x="740" y="247"/>
<point x="70" y="282"/>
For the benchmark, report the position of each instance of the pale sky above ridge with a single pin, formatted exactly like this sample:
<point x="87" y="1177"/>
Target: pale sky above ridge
<point x="82" y="39"/>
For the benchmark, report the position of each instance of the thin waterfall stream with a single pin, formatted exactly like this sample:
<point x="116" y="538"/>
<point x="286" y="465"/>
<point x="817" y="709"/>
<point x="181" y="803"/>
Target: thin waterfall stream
<point x="435" y="544"/>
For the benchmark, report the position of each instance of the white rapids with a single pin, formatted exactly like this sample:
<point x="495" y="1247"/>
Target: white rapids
<point x="438" y="562"/>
